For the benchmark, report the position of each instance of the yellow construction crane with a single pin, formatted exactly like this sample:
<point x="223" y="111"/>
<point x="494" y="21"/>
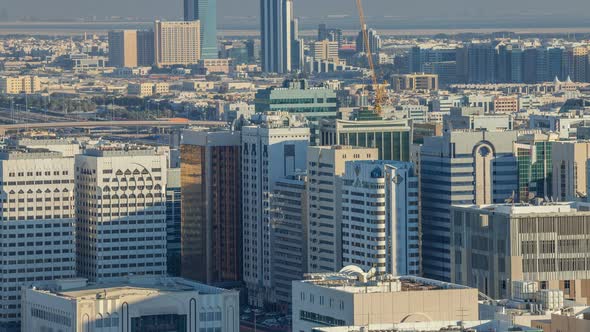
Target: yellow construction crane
<point x="378" y="88"/>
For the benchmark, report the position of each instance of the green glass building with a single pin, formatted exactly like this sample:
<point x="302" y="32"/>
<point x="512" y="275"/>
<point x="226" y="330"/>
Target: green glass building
<point x="297" y="97"/>
<point x="392" y="137"/>
<point x="533" y="154"/>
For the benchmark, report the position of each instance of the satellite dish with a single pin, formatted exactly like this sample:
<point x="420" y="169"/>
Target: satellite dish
<point x="531" y="196"/>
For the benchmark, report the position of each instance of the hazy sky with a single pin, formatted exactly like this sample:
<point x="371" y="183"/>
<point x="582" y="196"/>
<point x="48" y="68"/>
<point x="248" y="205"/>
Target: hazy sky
<point x="445" y="9"/>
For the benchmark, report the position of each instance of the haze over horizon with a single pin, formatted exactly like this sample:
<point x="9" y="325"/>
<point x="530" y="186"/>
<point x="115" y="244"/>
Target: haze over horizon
<point x="380" y="13"/>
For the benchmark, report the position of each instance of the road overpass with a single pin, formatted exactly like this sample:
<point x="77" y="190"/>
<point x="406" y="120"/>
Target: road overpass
<point x="7" y="128"/>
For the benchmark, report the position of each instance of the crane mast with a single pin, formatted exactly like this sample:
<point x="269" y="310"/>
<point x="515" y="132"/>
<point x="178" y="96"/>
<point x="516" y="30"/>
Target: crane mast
<point x="379" y="93"/>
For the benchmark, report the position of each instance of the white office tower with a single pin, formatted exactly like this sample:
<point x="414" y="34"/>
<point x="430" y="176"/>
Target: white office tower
<point x="272" y="149"/>
<point x="380" y="227"/>
<point x="121" y="212"/>
<point x="37" y="243"/>
<point x="325" y="165"/>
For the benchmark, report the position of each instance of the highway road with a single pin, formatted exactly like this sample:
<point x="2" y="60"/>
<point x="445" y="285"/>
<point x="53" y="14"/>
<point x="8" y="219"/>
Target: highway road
<point x="95" y="124"/>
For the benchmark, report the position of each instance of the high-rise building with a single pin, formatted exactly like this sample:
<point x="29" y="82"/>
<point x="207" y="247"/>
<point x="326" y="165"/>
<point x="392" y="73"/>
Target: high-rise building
<point x="211" y="206"/>
<point x="476" y="63"/>
<point x="575" y="63"/>
<point x="325" y="50"/>
<point x="374" y="42"/>
<point x="475" y="167"/>
<point x="325" y="166"/>
<point x="533" y="154"/>
<point x="298" y="98"/>
<point x="554" y="63"/>
<point x="277" y="35"/>
<point x="380" y="217"/>
<point x="145" y="48"/>
<point x="516" y="65"/>
<point x="415" y="82"/>
<point x="446" y="71"/>
<point x="120" y="212"/>
<point x="333" y="35"/>
<point x="569" y="161"/>
<point x="289" y="235"/>
<point x="123" y="48"/>
<point x="177" y="43"/>
<point x="392" y="138"/>
<point x="419" y="57"/>
<point x="173" y="222"/>
<point x="204" y="11"/>
<point x="37" y="217"/>
<point x="495" y="245"/>
<point x="273" y="148"/>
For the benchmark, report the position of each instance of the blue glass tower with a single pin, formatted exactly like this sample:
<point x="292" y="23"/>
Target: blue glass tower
<point x="206" y="12"/>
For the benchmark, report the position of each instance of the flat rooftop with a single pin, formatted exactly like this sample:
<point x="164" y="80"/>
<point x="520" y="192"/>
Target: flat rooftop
<point x="436" y="326"/>
<point x="351" y="283"/>
<point x="528" y="209"/>
<point x="78" y="288"/>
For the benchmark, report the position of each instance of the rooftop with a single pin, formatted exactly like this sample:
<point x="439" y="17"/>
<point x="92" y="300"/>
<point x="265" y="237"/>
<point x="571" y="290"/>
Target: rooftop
<point x="80" y="289"/>
<point x="22" y="152"/>
<point x="352" y="279"/>
<point x="436" y="326"/>
<point x="527" y="209"/>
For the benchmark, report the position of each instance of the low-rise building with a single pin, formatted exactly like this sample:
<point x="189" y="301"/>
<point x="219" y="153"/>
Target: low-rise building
<point x="19" y="84"/>
<point x="436" y="326"/>
<point x="137" y="304"/>
<point x="355" y="298"/>
<point x="147" y="89"/>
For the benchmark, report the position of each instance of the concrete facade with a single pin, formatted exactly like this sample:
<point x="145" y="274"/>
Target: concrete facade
<point x="325" y="165"/>
<point x="342" y="299"/>
<point x="494" y="245"/>
<point x="135" y="304"/>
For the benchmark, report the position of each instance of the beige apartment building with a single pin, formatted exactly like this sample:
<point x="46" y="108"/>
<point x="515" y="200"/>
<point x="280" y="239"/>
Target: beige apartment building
<point x="325" y="165"/>
<point x="495" y="245"/>
<point x="352" y="297"/>
<point x="569" y="161"/>
<point x="325" y="50"/>
<point x="414" y="82"/>
<point x="177" y="43"/>
<point x="19" y="84"/>
<point x="568" y="322"/>
<point x="147" y="89"/>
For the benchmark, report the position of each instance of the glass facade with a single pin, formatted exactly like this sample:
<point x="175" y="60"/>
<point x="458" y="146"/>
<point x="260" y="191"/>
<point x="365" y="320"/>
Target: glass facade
<point x="159" y="323"/>
<point x="206" y="12"/>
<point x="173" y="222"/>
<point x="534" y="171"/>
<point x="211" y="213"/>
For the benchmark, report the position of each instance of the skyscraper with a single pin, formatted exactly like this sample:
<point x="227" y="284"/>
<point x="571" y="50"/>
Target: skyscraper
<point x="277" y="35"/>
<point x="37" y="218"/>
<point x="120" y="212"/>
<point x="325" y="166"/>
<point x="211" y="208"/>
<point x="131" y="48"/>
<point x="206" y="12"/>
<point x="475" y="167"/>
<point x="380" y="226"/>
<point x="273" y="149"/>
<point x="123" y="48"/>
